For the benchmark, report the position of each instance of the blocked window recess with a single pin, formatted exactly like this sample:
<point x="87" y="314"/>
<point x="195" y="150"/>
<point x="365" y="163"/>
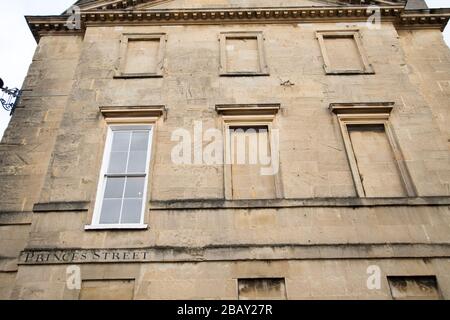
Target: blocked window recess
<point x="242" y="54"/>
<point x="414" y="288"/>
<point x="262" y="289"/>
<point x="343" y="53"/>
<point x="376" y="161"/>
<point x="251" y="169"/>
<point x="141" y="55"/>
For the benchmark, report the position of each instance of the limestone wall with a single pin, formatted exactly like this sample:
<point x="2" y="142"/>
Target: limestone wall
<point x="312" y="155"/>
<point x="52" y="154"/>
<point x="428" y="60"/>
<point x="27" y="145"/>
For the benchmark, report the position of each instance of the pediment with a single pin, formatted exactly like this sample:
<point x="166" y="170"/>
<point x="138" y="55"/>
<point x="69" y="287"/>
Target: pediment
<point x="210" y="4"/>
<point x="94" y="5"/>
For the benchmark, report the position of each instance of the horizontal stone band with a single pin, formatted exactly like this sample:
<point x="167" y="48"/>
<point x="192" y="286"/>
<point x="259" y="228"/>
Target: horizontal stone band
<point x="234" y="252"/>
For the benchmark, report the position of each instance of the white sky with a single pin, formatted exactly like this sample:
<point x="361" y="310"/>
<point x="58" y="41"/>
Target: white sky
<point x="18" y="45"/>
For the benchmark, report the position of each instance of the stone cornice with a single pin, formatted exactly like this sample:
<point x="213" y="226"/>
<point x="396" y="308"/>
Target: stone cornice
<point x="429" y="18"/>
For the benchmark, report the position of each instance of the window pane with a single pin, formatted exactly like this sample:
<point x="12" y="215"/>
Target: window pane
<point x="118" y="162"/>
<point x="135" y="187"/>
<point x="123" y="195"/>
<point x="139" y="141"/>
<point x="121" y="141"/>
<point x="114" y="187"/>
<point x="110" y="211"/>
<point x="132" y="210"/>
<point x="137" y="162"/>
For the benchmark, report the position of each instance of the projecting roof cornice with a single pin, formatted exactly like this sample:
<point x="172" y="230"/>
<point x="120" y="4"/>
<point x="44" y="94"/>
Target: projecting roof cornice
<point x="426" y="18"/>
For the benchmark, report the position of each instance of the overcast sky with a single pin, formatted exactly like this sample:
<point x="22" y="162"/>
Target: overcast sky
<point x="18" y="45"/>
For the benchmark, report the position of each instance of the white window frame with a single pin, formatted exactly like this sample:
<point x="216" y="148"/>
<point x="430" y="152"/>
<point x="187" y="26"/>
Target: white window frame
<point x="103" y="174"/>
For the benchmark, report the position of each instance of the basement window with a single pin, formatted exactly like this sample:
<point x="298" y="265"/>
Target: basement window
<point x="107" y="290"/>
<point x="262" y="289"/>
<point x="242" y="54"/>
<point x="343" y="53"/>
<point x="414" y="288"/>
<point x="141" y="56"/>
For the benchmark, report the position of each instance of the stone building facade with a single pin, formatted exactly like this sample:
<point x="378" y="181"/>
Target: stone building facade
<point x="352" y="97"/>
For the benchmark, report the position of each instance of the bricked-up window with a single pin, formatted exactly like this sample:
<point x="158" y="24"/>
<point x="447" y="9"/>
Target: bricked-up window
<point x="414" y="288"/>
<point x="374" y="154"/>
<point x="242" y="54"/>
<point x="141" y="55"/>
<point x="379" y="172"/>
<point x="248" y="143"/>
<point x="262" y="289"/>
<point x="251" y="145"/>
<point x="122" y="191"/>
<point x="107" y="290"/>
<point x="343" y="53"/>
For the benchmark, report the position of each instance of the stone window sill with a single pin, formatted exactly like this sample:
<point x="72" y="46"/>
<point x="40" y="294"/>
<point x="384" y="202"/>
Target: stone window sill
<point x="116" y="227"/>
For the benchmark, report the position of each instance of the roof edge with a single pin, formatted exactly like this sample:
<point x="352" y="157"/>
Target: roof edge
<point x="404" y="19"/>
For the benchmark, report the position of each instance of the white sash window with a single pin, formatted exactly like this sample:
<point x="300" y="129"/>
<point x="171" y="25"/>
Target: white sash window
<point x="122" y="190"/>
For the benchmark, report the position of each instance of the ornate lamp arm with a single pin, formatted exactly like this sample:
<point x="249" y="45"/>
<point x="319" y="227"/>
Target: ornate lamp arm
<point x="9" y="97"/>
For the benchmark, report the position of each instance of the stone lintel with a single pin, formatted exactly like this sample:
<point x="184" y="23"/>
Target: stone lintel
<point x="361" y="107"/>
<point x="248" y="109"/>
<point x="132" y="111"/>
